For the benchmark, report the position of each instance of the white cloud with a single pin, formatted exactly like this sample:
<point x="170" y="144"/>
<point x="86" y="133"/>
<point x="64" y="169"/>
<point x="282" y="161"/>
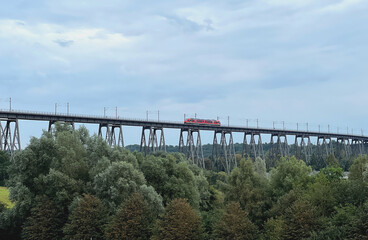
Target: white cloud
<point x="340" y="6"/>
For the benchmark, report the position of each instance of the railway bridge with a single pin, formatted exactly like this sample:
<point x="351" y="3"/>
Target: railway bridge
<point x="153" y="138"/>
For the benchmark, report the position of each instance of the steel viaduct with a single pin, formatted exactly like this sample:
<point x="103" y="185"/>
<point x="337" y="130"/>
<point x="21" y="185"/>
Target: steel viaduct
<point x="153" y="139"/>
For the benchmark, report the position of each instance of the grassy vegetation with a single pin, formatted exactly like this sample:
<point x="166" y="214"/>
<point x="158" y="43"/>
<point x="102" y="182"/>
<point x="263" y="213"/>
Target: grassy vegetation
<point x="4" y="197"/>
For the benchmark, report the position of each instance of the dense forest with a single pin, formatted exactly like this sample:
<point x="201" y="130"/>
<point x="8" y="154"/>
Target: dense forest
<point x="70" y="185"/>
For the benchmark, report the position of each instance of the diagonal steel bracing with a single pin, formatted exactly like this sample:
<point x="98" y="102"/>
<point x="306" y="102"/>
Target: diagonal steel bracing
<point x="1" y="137"/>
<point x="357" y="147"/>
<point x="324" y="146"/>
<point x="10" y="136"/>
<point x="112" y="134"/>
<point x="280" y="147"/>
<point x="345" y="144"/>
<point x="255" y="147"/>
<point x="116" y="138"/>
<point x="224" y="153"/>
<point x="304" y="148"/>
<point x="192" y="149"/>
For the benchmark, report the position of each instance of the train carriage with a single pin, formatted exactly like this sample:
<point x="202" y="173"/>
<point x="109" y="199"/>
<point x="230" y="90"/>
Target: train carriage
<point x="202" y="121"/>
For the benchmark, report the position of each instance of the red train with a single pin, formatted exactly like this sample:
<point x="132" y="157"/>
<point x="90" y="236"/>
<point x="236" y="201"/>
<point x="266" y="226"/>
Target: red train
<point x="202" y="121"/>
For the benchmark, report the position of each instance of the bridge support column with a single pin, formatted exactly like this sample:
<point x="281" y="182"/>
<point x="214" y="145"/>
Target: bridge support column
<point x="117" y="138"/>
<point x="1" y="137"/>
<point x="224" y="153"/>
<point x="357" y="147"/>
<point x="365" y="146"/>
<point x="256" y="147"/>
<point x="279" y="148"/>
<point x="153" y="145"/>
<point x="10" y="136"/>
<point x="343" y="145"/>
<point x="324" y="146"/>
<point x="304" y="148"/>
<point x="245" y="152"/>
<point x="193" y="150"/>
<point x="105" y="135"/>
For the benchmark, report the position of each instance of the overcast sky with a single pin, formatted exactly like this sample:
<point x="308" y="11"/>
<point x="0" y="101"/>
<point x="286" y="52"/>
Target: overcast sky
<point x="275" y="60"/>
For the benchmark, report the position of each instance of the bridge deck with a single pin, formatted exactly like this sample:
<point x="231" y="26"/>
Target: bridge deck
<point x="34" y="116"/>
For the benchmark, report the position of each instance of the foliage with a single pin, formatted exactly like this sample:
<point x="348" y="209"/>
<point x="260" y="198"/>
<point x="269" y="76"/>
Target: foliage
<point x="4" y="164"/>
<point x="179" y="222"/>
<point x="322" y="194"/>
<point x="331" y="161"/>
<point x="4" y="197"/>
<point x="171" y="178"/>
<point x="117" y="183"/>
<point x="273" y="229"/>
<point x="333" y="174"/>
<point x="132" y="221"/>
<point x="290" y="173"/>
<point x="260" y="167"/>
<point x="235" y="224"/>
<point x="69" y="185"/>
<point x="87" y="221"/>
<point x="357" y="168"/>
<point x="300" y="219"/>
<point x="44" y="221"/>
<point x="248" y="189"/>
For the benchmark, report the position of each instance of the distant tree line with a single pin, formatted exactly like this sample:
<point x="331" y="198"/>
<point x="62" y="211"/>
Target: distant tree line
<point x="316" y="159"/>
<point x="70" y="185"/>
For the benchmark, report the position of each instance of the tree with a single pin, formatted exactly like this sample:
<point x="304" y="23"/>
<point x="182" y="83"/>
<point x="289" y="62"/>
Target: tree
<point x="44" y="222"/>
<point x="322" y="194"/>
<point x="4" y="164"/>
<point x="87" y="221"/>
<point x="260" y="167"/>
<point x="333" y="174"/>
<point x="361" y="224"/>
<point x="179" y="222"/>
<point x="248" y="189"/>
<point x="235" y="224"/>
<point x="290" y="173"/>
<point x="171" y="178"/>
<point x="300" y="220"/>
<point x="273" y="229"/>
<point x="331" y="161"/>
<point x="132" y="221"/>
<point x="115" y="184"/>
<point x="357" y="168"/>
